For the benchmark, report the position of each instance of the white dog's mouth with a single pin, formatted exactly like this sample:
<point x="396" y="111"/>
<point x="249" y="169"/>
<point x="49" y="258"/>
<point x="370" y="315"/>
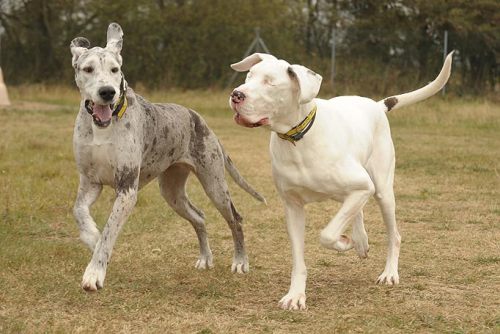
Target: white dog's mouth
<point x="240" y="120"/>
<point x="101" y="114"/>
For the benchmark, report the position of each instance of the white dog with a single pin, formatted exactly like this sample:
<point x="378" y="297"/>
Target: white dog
<point x="337" y="149"/>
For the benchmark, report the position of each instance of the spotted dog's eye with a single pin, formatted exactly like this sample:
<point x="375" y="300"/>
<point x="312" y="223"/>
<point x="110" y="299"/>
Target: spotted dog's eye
<point x="114" y="70"/>
<point x="88" y="69"/>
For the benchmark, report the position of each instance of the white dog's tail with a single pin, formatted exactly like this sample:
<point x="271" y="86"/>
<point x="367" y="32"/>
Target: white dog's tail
<point x="235" y="174"/>
<point x="398" y="101"/>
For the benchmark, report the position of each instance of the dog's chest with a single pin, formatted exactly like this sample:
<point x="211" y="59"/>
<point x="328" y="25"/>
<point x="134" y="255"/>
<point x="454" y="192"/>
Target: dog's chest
<point x="97" y="156"/>
<point x="310" y="176"/>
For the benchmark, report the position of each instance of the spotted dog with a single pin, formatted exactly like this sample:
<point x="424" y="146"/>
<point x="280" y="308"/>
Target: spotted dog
<point x="337" y="149"/>
<point x="123" y="141"/>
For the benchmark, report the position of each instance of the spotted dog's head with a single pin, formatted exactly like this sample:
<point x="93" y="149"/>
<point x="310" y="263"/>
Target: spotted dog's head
<point x="272" y="90"/>
<point x="98" y="74"/>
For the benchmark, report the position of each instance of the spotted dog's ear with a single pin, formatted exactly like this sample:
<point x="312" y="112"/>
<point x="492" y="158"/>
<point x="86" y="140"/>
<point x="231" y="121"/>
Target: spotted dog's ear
<point x="251" y="60"/>
<point x="78" y="46"/>
<point x="114" y="38"/>
<point x="309" y="82"/>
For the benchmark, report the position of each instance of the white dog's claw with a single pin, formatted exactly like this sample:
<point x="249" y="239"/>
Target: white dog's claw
<point x="293" y="302"/>
<point x="388" y="278"/>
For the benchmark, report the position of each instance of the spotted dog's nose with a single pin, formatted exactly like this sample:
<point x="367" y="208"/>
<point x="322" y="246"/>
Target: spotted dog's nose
<point x="237" y="96"/>
<point x="107" y="93"/>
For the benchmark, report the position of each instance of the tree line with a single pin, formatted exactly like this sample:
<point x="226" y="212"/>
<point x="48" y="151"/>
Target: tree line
<point x="382" y="46"/>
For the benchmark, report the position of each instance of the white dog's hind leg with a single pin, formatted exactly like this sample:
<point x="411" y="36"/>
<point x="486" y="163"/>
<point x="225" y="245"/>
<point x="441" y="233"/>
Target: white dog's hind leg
<point x="87" y="194"/>
<point x="387" y="205"/>
<point x="295" y="299"/>
<point x="359" y="236"/>
<point x="381" y="168"/>
<point x="173" y="189"/>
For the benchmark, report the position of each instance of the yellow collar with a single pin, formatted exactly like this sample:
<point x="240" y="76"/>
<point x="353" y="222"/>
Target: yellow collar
<point x="120" y="107"/>
<point x="296" y="133"/>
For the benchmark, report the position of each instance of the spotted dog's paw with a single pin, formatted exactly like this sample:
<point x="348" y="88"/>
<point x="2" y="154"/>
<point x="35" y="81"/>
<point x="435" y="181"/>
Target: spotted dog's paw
<point x="93" y="278"/>
<point x="204" y="262"/>
<point x="240" y="265"/>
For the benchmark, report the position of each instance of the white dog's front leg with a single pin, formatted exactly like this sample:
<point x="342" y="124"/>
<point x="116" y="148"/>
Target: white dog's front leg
<point x="94" y="275"/>
<point x="331" y="236"/>
<point x="87" y="194"/>
<point x="295" y="299"/>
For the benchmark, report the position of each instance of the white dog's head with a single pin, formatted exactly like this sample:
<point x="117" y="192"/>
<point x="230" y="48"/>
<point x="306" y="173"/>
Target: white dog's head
<point x="272" y="92"/>
<point x="98" y="74"/>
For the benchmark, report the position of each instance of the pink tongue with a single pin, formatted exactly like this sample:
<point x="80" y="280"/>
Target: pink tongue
<point x="102" y="112"/>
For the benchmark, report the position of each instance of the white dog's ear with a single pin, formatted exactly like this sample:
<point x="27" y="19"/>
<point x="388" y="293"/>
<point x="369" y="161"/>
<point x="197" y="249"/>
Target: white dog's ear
<point x="114" y="38"/>
<point x="251" y="60"/>
<point x="309" y="82"/>
<point x="78" y="46"/>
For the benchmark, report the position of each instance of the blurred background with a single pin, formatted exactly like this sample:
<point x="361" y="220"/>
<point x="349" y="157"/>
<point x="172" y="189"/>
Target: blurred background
<point x="373" y="47"/>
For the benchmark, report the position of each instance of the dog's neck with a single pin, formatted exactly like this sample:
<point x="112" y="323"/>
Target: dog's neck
<point x="290" y="118"/>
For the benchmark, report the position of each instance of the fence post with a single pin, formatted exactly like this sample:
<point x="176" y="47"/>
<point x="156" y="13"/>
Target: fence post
<point x="445" y="52"/>
<point x="332" y="70"/>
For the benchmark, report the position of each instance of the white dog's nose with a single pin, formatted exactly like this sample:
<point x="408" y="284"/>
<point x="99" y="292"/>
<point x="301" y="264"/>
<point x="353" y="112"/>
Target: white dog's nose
<point x="107" y="93"/>
<point x="237" y="96"/>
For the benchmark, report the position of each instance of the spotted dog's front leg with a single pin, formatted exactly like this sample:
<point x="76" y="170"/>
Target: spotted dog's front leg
<point x="88" y="193"/>
<point x="126" y="197"/>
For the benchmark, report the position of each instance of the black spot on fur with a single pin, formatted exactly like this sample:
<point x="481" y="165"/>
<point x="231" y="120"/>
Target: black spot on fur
<point x="390" y="102"/>
<point x="291" y="72"/>
<point x="237" y="218"/>
<point x="199" y="132"/>
<point x="127" y="125"/>
<point x="126" y="177"/>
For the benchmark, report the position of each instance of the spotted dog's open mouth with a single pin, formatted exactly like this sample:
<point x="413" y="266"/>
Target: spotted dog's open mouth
<point x="101" y="114"/>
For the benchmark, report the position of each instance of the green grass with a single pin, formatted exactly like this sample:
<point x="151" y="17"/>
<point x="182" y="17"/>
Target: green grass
<point x="447" y="190"/>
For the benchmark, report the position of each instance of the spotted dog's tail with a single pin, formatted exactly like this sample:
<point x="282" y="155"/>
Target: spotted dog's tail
<point x="398" y="101"/>
<point x="235" y="174"/>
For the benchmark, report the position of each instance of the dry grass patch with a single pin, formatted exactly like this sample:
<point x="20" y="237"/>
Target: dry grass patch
<point x="447" y="188"/>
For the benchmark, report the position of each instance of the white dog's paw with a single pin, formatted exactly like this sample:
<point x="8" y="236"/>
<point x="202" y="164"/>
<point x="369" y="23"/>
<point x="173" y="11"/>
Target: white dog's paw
<point x="361" y="246"/>
<point x="240" y="266"/>
<point x="389" y="277"/>
<point x="341" y="244"/>
<point x="204" y="262"/>
<point x="90" y="238"/>
<point x="93" y="278"/>
<point x="293" y="301"/>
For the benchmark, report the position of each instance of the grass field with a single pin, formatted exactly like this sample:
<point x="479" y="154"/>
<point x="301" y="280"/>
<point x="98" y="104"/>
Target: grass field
<point x="447" y="191"/>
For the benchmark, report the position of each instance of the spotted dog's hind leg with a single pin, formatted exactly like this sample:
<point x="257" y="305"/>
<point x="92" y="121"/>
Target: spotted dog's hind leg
<point x="87" y="194"/>
<point x="173" y="189"/>
<point x="214" y="183"/>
